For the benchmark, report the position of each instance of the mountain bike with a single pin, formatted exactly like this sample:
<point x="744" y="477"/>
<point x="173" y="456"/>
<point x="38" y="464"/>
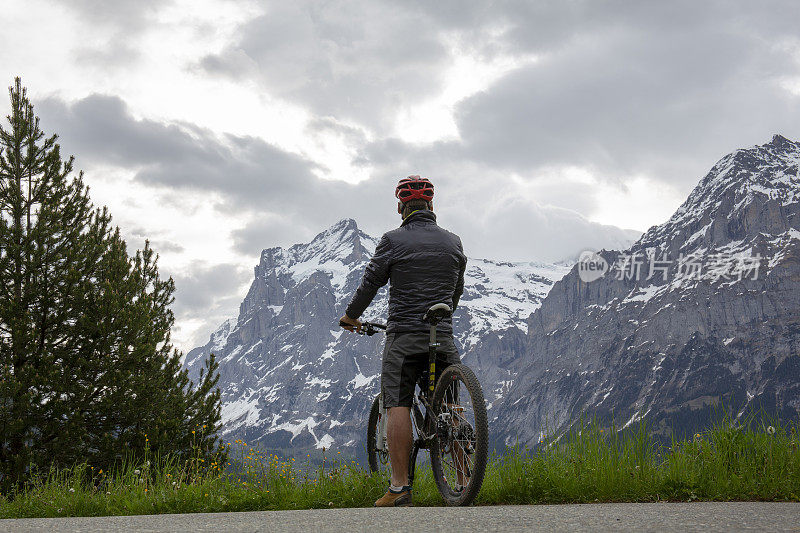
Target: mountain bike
<point x="449" y="420"/>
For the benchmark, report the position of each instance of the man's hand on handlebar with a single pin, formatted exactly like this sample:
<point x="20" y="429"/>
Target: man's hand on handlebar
<point x="350" y="324"/>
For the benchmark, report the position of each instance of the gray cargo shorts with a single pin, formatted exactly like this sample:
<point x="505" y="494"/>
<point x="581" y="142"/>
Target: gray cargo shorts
<point x="405" y="358"/>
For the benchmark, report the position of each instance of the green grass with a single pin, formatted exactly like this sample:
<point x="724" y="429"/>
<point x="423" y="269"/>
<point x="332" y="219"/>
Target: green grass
<point x="592" y="465"/>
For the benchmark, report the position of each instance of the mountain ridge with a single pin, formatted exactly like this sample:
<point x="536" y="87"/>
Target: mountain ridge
<point x="670" y="346"/>
<point x="291" y="379"/>
<point x="666" y="345"/>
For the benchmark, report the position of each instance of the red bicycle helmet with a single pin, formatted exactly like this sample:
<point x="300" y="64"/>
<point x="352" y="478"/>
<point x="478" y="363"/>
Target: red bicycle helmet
<point x="414" y="188"/>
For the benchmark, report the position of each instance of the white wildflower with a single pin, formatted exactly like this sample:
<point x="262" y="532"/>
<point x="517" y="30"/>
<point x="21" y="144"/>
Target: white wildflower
<point x="136" y="471"/>
<point x="770" y="430"/>
<point x="72" y="490"/>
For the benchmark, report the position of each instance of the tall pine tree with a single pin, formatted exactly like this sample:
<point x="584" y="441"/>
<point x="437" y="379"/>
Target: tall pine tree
<point x="87" y="370"/>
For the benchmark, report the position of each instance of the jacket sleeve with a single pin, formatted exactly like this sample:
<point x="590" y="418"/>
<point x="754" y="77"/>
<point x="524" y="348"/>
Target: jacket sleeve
<point x="460" y="283"/>
<point x="375" y="276"/>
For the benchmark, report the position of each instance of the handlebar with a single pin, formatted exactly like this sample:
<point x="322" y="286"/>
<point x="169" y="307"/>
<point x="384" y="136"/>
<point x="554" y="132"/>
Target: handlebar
<point x="367" y="328"/>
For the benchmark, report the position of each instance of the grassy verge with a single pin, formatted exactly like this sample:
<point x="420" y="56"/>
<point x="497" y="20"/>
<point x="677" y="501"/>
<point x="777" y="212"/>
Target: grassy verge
<point x="592" y="465"/>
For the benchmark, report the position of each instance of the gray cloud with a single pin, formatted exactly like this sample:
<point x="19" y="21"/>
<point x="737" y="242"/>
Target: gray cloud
<point x="518" y="230"/>
<point x="257" y="235"/>
<point x="122" y="20"/>
<point x="624" y="88"/>
<point x="290" y="204"/>
<point x="495" y="219"/>
<point x="123" y="14"/>
<point x="660" y="89"/>
<point x="180" y="156"/>
<point x="659" y="95"/>
<point x="166" y="246"/>
<point x="247" y="173"/>
<point x="207" y="293"/>
<point x="353" y="60"/>
<point x="328" y="125"/>
<point x="136" y="236"/>
<point x="197" y="291"/>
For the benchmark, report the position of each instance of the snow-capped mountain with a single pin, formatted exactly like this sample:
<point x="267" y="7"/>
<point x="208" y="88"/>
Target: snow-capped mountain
<point x="704" y="308"/>
<point x="291" y="378"/>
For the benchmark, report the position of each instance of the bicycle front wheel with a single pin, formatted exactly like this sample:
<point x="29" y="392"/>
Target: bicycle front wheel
<point x="378" y="459"/>
<point x="461" y="447"/>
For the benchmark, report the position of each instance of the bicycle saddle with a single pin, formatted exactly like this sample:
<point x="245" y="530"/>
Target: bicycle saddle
<point x="436" y="313"/>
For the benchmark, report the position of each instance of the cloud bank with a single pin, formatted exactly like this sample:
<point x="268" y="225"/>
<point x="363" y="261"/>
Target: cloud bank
<point x="548" y="127"/>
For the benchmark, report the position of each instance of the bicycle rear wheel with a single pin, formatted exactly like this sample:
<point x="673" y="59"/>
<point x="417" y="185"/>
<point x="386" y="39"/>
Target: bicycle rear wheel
<point x="378" y="459"/>
<point x="461" y="447"/>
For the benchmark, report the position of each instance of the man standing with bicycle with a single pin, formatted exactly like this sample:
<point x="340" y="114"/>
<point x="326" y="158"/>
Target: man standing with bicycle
<point x="424" y="265"/>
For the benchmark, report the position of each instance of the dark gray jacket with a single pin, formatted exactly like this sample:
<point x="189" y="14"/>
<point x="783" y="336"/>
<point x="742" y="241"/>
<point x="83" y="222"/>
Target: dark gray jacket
<point x="425" y="264"/>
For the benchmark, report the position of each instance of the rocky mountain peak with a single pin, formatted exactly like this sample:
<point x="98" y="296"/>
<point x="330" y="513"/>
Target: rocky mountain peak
<point x="290" y="377"/>
<point x="711" y="314"/>
<point x="745" y="194"/>
<point x="343" y="242"/>
<point x="781" y="142"/>
<point x="332" y="253"/>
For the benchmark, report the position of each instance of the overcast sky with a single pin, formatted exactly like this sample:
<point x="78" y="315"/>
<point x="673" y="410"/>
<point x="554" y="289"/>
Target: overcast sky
<point x="217" y="128"/>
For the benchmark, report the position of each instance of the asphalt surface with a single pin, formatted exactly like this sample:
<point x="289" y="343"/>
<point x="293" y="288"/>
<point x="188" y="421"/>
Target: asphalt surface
<point x="716" y="516"/>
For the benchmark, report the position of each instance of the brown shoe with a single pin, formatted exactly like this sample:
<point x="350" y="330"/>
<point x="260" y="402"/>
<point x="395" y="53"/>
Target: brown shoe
<point x="395" y="499"/>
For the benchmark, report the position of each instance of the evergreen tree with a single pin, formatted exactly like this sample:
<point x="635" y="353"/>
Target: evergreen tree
<point x="87" y="370"/>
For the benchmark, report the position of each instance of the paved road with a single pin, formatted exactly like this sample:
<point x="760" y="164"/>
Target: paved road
<point x="706" y="517"/>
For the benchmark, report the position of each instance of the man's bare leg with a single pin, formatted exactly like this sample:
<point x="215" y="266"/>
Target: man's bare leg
<point x="400" y="441"/>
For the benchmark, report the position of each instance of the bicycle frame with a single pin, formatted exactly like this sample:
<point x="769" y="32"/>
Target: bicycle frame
<point x="426" y="431"/>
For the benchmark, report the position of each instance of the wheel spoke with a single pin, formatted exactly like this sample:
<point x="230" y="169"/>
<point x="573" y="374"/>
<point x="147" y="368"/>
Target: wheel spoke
<point x="453" y="452"/>
<point x="462" y="435"/>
